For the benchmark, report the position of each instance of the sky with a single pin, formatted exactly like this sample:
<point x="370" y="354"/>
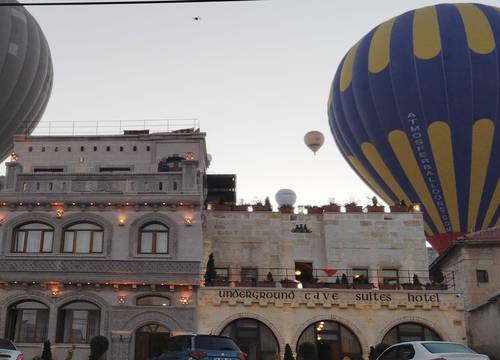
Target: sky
<point x="255" y="74"/>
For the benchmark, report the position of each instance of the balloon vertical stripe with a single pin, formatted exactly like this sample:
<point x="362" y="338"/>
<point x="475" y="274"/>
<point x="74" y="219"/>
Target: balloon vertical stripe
<point x="346" y="73"/>
<point x="482" y="139"/>
<point x="379" y="53"/>
<point x="426" y="38"/>
<point x="495" y="202"/>
<point x="477" y="27"/>
<point x="442" y="150"/>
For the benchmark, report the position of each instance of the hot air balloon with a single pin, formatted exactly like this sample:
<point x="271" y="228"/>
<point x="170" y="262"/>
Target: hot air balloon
<point x="414" y="108"/>
<point x="314" y="140"/>
<point x="25" y="74"/>
<point x="285" y="197"/>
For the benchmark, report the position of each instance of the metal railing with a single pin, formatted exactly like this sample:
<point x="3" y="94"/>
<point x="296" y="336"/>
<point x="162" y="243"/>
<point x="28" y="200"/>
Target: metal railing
<point x="113" y="127"/>
<point x="333" y="278"/>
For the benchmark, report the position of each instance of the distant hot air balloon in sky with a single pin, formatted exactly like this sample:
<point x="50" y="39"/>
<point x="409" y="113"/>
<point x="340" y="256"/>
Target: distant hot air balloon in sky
<point x="414" y="108"/>
<point x="25" y="74"/>
<point x="314" y="140"/>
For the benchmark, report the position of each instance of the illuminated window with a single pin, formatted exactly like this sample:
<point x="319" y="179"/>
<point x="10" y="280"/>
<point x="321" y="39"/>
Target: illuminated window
<point x="153" y="300"/>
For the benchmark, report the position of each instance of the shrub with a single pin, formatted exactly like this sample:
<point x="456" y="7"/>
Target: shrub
<point x="344" y="280"/>
<point x="307" y="351"/>
<point x="46" y="352"/>
<point x="376" y="351"/>
<point x="98" y="347"/>
<point x="288" y="353"/>
<point x="416" y="280"/>
<point x="269" y="277"/>
<point x="210" y="273"/>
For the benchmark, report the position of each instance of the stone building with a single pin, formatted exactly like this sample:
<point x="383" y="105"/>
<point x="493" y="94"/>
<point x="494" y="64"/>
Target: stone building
<point x="101" y="235"/>
<point x="474" y="261"/>
<point x="344" y="281"/>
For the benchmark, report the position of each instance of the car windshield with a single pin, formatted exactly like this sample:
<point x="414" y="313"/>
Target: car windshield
<point x="214" y="343"/>
<point x="438" y="348"/>
<point x="7" y="344"/>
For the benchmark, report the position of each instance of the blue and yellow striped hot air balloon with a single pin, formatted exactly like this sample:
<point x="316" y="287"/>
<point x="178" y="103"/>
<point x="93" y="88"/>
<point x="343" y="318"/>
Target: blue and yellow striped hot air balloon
<point x="414" y="108"/>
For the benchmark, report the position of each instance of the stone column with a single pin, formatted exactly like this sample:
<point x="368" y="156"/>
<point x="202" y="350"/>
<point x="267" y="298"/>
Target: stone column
<point x="13" y="168"/>
<point x="51" y="335"/>
<point x="189" y="176"/>
<point x="120" y="345"/>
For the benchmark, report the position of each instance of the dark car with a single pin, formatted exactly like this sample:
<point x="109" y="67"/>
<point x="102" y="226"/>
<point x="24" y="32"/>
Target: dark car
<point x="198" y="347"/>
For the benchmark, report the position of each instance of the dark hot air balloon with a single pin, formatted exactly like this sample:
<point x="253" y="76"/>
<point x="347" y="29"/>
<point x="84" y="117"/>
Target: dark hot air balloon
<point x="414" y="108"/>
<point x="25" y="74"/>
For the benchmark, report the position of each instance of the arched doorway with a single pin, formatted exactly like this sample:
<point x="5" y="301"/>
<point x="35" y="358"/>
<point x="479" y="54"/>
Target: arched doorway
<point x="150" y="340"/>
<point x="254" y="338"/>
<point x="410" y="331"/>
<point x="333" y="341"/>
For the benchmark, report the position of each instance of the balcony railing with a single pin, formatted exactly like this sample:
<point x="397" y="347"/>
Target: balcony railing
<point x="334" y="279"/>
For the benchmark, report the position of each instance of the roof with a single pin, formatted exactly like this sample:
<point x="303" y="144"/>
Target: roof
<point x="492" y="300"/>
<point x="489" y="236"/>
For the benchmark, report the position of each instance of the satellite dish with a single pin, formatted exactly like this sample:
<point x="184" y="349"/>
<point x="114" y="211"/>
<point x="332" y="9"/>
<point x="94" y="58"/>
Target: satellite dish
<point x="314" y="140"/>
<point x="285" y="197"/>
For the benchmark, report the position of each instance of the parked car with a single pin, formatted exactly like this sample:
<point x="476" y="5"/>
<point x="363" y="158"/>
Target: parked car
<point x="198" y="347"/>
<point x="8" y="351"/>
<point x="430" y="350"/>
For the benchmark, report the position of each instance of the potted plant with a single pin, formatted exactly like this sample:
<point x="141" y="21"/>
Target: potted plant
<point x="401" y="207"/>
<point x="244" y="283"/>
<point x="383" y="286"/>
<point x="98" y="346"/>
<point x="337" y="284"/>
<point x="259" y="207"/>
<point x="375" y="207"/>
<point x="269" y="282"/>
<point x="221" y="207"/>
<point x="331" y="208"/>
<point x="242" y="207"/>
<point x="286" y="209"/>
<point x="312" y="210"/>
<point x="415" y="285"/>
<point x="352" y="207"/>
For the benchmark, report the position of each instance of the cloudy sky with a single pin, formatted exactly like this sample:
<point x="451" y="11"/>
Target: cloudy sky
<point x="255" y="74"/>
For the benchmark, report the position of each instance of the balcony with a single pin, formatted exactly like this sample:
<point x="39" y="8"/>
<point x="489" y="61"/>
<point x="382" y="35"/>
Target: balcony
<point x="345" y="279"/>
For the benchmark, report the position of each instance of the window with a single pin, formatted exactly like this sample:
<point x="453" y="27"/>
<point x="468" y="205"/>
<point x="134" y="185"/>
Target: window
<point x="304" y="272"/>
<point x="121" y="148"/>
<point x="95" y="148"/>
<point x="134" y="148"/>
<point x="56" y="149"/>
<point x="114" y="169"/>
<point x="410" y="332"/>
<point x="69" y="148"/>
<point x="153" y="300"/>
<point x="108" y="148"/>
<point x="78" y="322"/>
<point x="27" y="321"/>
<point x="30" y="149"/>
<point x="153" y="239"/>
<point x="148" y="148"/>
<point x="360" y="276"/>
<point x="43" y="148"/>
<point x="82" y="148"/>
<point x="222" y="274"/>
<point x="33" y="238"/>
<point x="439" y="348"/>
<point x="248" y="274"/>
<point x="390" y="277"/>
<point x="83" y="238"/>
<point x="482" y="276"/>
<point x="48" y="170"/>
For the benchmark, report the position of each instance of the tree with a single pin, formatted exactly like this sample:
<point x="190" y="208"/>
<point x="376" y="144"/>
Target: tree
<point x="288" y="353"/>
<point x="267" y="203"/>
<point x="344" y="280"/>
<point x="437" y="275"/>
<point x="307" y="351"/>
<point x="376" y="351"/>
<point x="269" y="277"/>
<point x="210" y="273"/>
<point x="46" y="352"/>
<point x="416" y="280"/>
<point x="98" y="347"/>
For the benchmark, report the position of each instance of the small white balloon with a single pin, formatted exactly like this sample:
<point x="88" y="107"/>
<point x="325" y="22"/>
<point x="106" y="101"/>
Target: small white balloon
<point x="285" y="197"/>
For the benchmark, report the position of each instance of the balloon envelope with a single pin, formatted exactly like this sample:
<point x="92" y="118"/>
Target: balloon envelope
<point x="414" y="109"/>
<point x="314" y="140"/>
<point x="25" y="74"/>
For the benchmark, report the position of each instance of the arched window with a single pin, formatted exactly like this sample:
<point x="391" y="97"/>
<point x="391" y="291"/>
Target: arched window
<point x="153" y="300"/>
<point x="410" y="331"/>
<point x="153" y="239"/>
<point x="27" y="322"/>
<point x="78" y="322"/>
<point x="254" y="338"/>
<point x="83" y="238"/>
<point x="34" y="237"/>
<point x="333" y="341"/>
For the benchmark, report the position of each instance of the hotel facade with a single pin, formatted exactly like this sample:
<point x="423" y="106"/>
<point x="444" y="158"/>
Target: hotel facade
<point x="110" y="235"/>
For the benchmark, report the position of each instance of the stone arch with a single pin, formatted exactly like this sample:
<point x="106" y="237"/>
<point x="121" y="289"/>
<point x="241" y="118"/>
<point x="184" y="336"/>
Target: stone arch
<point x="151" y="293"/>
<point x="93" y="218"/>
<point x="413" y="319"/>
<point x="274" y="329"/>
<point x="360" y="335"/>
<point x="148" y="218"/>
<point x="20" y="297"/>
<point x="151" y="317"/>
<point x="11" y="224"/>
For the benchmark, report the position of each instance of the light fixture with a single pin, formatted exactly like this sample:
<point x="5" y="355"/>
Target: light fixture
<point x="416" y="207"/>
<point x="188" y="220"/>
<point x="357" y="276"/>
<point x="298" y="272"/>
<point x="54" y="291"/>
<point x="164" y="304"/>
<point x="122" y="299"/>
<point x="121" y="220"/>
<point x="14" y="157"/>
<point x="59" y="213"/>
<point x="2" y="221"/>
<point x="189" y="155"/>
<point x="184" y="300"/>
<point x="300" y="286"/>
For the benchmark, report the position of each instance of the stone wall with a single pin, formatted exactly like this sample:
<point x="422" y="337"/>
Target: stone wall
<point x="485" y="325"/>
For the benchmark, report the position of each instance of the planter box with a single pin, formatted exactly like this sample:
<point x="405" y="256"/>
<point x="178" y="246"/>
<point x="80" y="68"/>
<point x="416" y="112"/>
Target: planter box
<point x="411" y="286"/>
<point x="388" y="287"/>
<point x="239" y="207"/>
<point x="335" y="286"/>
<point x="435" y="287"/>
<point x="218" y="283"/>
<point x="353" y="209"/>
<point x="362" y="286"/>
<point x="243" y="283"/>
<point x="266" y="284"/>
<point x="286" y="209"/>
<point x="222" y="207"/>
<point x="261" y="208"/>
<point x="399" y="208"/>
<point x="312" y="285"/>
<point x="375" y="209"/>
<point x="288" y="284"/>
<point x="314" y="210"/>
<point x="331" y="208"/>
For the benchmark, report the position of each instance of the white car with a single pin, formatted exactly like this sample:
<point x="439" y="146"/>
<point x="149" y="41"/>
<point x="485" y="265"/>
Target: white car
<point x="430" y="350"/>
<point x="8" y="351"/>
